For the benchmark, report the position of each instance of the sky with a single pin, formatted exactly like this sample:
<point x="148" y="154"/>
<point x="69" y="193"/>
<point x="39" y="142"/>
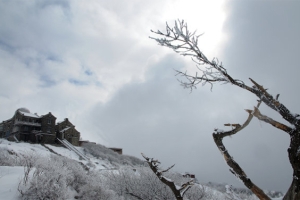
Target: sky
<point x="93" y="63"/>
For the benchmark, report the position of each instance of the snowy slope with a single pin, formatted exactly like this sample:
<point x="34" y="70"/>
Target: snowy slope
<point x="13" y="156"/>
<point x="9" y="180"/>
<point x="10" y="176"/>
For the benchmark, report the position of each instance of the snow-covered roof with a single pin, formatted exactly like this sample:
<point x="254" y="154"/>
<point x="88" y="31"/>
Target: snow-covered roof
<point x="27" y="123"/>
<point x="29" y="114"/>
<point x="25" y="110"/>
<point x="65" y="129"/>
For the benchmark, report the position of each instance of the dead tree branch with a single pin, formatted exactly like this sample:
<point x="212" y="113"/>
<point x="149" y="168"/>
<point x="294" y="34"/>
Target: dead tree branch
<point x="132" y="194"/>
<point x="184" y="42"/>
<point x="178" y="191"/>
<point x="256" y="113"/>
<point x="234" y="166"/>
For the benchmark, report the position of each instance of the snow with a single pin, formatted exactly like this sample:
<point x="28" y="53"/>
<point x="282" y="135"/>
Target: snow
<point x="96" y="163"/>
<point x="27" y="123"/>
<point x="29" y="114"/>
<point x="219" y="130"/>
<point x="10" y="176"/>
<point x="9" y="180"/>
<point x="24" y="148"/>
<point x="67" y="128"/>
<point x="170" y="180"/>
<point x="64" y="152"/>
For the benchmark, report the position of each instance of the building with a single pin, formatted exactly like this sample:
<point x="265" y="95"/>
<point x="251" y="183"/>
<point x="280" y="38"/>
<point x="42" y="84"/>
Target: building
<point x="66" y="130"/>
<point x="117" y="150"/>
<point x="26" y="126"/>
<point x="188" y="175"/>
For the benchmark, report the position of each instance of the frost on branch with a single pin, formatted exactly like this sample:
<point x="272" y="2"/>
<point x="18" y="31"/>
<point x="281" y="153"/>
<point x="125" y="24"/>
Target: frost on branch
<point x="184" y="42"/>
<point x="178" y="191"/>
<point x="234" y="166"/>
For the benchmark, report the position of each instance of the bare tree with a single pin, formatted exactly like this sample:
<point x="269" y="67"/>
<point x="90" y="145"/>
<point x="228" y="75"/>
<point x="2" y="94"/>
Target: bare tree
<point x="184" y="42"/>
<point x="178" y="191"/>
<point x="139" y="183"/>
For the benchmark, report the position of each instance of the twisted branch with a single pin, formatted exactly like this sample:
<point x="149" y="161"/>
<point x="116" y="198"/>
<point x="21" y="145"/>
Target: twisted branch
<point x="234" y="166"/>
<point x="178" y="191"/>
<point x="184" y="42"/>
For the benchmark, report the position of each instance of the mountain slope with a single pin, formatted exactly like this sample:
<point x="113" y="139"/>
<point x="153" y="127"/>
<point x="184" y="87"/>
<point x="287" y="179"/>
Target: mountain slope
<point x="55" y="172"/>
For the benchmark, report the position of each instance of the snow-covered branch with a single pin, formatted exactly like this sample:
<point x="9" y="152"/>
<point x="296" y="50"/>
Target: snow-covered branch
<point x="178" y="191"/>
<point x="184" y="42"/>
<point x="234" y="166"/>
<point x="256" y="113"/>
<point x="275" y="104"/>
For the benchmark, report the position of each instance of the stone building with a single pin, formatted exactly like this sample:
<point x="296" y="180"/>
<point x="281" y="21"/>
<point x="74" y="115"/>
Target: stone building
<point x="117" y="150"/>
<point x="26" y="126"/>
<point x="66" y="130"/>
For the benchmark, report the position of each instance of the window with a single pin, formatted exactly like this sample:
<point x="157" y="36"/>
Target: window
<point x="49" y="121"/>
<point x="7" y="133"/>
<point x="49" y="129"/>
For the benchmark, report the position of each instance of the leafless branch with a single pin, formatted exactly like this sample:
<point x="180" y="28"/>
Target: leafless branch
<point x="274" y="103"/>
<point x="234" y="166"/>
<point x="184" y="42"/>
<point x="283" y="127"/>
<point x="178" y="191"/>
<point x="132" y="194"/>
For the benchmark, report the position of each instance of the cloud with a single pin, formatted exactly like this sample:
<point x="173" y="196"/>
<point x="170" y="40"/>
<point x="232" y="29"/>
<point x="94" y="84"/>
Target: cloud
<point x="94" y="63"/>
<point x="262" y="37"/>
<point x="161" y="119"/>
<point x="262" y="44"/>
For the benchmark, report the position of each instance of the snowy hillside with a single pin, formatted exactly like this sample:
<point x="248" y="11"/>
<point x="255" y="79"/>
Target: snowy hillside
<point x="34" y="171"/>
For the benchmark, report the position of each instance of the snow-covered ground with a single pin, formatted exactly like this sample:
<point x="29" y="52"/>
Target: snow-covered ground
<point x="9" y="180"/>
<point x="11" y="176"/>
<point x="94" y="162"/>
<point x="23" y="148"/>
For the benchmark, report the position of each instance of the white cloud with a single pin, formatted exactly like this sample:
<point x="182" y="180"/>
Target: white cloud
<point x="93" y="63"/>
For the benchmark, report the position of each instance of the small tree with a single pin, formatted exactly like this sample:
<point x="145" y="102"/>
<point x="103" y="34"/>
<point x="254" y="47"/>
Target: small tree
<point x="142" y="183"/>
<point x="178" y="191"/>
<point x="137" y="183"/>
<point x="184" y="42"/>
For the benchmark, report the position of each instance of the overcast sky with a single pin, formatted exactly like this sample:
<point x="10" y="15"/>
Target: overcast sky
<point x="93" y="62"/>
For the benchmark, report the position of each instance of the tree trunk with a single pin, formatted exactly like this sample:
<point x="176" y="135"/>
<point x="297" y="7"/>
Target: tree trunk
<point x="185" y="43"/>
<point x="292" y="194"/>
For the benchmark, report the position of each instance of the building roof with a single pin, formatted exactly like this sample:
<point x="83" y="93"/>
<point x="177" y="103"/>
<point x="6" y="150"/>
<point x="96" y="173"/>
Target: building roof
<point x="67" y="128"/>
<point x="26" y="112"/>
